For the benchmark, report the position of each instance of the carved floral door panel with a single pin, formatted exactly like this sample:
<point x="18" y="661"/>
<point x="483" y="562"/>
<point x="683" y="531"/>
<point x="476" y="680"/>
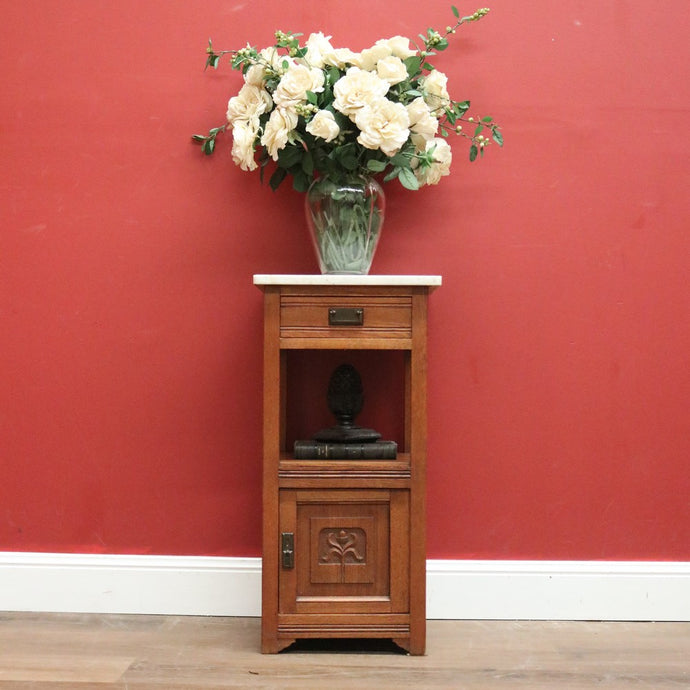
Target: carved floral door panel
<point x="350" y="551"/>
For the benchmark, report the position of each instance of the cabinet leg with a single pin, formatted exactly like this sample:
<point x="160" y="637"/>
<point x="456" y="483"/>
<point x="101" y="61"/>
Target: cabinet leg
<point x="275" y="645"/>
<point x="403" y="643"/>
<point x="410" y="646"/>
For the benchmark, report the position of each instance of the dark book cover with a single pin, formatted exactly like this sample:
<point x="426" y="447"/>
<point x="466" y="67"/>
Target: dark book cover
<point x="315" y="450"/>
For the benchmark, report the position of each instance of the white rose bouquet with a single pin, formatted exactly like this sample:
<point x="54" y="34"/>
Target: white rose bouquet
<point x="315" y="111"/>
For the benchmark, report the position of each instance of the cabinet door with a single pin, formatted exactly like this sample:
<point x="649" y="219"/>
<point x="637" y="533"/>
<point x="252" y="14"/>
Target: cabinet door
<point x="351" y="551"/>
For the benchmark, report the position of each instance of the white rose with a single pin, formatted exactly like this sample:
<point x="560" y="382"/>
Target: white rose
<point x="255" y="75"/>
<point x="423" y="124"/>
<point x="368" y="58"/>
<point x="340" y="58"/>
<point x="323" y="125"/>
<point x="278" y="127"/>
<point x="269" y="58"/>
<point x="435" y="91"/>
<point x="317" y="46"/>
<point x="417" y="109"/>
<point x="250" y="102"/>
<point x="243" y="138"/>
<point x="384" y="125"/>
<point x="391" y="69"/>
<point x="442" y="157"/>
<point x="399" y="46"/>
<point x="356" y="90"/>
<point x="273" y="59"/>
<point x="294" y="84"/>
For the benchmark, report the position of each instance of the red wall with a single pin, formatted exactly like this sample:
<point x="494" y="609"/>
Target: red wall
<point x="130" y="330"/>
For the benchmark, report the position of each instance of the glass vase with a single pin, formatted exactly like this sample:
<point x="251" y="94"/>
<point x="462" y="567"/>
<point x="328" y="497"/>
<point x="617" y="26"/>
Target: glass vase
<point x="345" y="219"/>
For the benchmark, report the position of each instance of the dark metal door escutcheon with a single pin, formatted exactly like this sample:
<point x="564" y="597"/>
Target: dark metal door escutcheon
<point x="287" y="550"/>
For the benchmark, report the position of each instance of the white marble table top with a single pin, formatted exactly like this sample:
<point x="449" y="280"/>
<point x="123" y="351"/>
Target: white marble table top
<point x="336" y="279"/>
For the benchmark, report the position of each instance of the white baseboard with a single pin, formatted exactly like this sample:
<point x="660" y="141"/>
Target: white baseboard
<point x="559" y="590"/>
<point x="193" y="585"/>
<point x="95" y="583"/>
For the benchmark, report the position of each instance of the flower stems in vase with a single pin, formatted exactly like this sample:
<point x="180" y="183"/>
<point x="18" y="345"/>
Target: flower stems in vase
<point x="345" y="221"/>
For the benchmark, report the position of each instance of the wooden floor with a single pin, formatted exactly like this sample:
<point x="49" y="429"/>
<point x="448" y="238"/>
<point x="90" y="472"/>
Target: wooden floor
<point x="80" y="652"/>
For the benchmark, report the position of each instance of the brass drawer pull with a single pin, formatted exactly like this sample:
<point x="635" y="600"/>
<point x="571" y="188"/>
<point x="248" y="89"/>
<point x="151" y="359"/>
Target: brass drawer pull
<point x="345" y="316"/>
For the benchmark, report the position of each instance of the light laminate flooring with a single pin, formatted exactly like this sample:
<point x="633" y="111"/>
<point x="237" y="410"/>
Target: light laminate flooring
<point x="100" y="652"/>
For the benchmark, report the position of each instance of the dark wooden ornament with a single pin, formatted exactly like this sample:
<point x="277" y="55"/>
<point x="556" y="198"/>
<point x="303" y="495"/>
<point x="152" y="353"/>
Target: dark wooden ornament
<point x="345" y="401"/>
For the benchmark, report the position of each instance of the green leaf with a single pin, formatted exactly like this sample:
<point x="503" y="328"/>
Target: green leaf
<point x="341" y="120"/>
<point x="413" y="64"/>
<point x="407" y="179"/>
<point x="497" y="136"/>
<point x="441" y="45"/>
<point x="478" y="130"/>
<point x="376" y="166"/>
<point x="347" y="156"/>
<point x="289" y="156"/>
<point x="473" y="152"/>
<point x="334" y="75"/>
<point x="311" y="97"/>
<point x="308" y="163"/>
<point x="301" y="182"/>
<point x="488" y="118"/>
<point x="208" y="146"/>
<point x="211" y="61"/>
<point x="455" y="11"/>
<point x="400" y="160"/>
<point x="277" y="177"/>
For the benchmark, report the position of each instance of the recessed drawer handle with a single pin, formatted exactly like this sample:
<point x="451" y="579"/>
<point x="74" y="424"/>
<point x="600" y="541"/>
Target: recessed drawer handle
<point x="345" y="316"/>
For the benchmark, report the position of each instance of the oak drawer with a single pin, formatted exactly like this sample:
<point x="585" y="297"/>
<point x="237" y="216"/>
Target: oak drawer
<point x="305" y="316"/>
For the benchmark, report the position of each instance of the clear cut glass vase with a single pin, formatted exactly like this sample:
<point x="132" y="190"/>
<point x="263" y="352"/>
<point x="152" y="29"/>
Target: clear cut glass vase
<point x="345" y="218"/>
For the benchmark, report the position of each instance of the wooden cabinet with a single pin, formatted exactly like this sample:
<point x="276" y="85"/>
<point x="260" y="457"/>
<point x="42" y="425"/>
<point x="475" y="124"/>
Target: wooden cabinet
<point x="344" y="551"/>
